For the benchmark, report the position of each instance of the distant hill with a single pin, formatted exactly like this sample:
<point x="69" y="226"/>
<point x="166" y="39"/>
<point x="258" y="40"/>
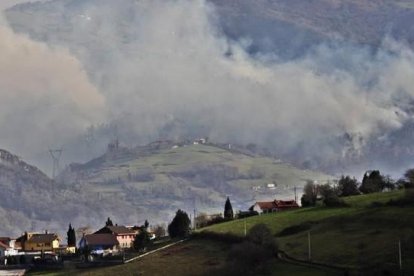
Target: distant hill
<point x="283" y="26"/>
<point x="31" y="201"/>
<point x="291" y="26"/>
<point x="164" y="176"/>
<point x="148" y="182"/>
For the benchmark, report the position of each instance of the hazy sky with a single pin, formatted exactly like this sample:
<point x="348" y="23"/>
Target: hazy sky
<point x="4" y="4"/>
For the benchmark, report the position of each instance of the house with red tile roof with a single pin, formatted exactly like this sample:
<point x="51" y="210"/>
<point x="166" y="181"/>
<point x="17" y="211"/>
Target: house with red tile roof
<point x="273" y="206"/>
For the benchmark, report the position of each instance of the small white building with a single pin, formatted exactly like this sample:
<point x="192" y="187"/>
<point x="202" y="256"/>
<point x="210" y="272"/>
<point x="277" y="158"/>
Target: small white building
<point x="271" y="186"/>
<point x="7" y="248"/>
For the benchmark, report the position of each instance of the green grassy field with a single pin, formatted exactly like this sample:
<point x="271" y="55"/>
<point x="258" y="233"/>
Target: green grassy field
<point x="195" y="257"/>
<point x="354" y="236"/>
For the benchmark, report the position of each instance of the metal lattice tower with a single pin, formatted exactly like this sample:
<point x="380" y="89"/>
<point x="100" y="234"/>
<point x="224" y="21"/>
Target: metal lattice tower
<point x="55" y="154"/>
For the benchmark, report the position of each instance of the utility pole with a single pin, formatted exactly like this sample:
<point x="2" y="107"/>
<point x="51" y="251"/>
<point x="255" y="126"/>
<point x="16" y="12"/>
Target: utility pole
<point x="55" y="154"/>
<point x="296" y="197"/>
<point x="309" y="247"/>
<point x="195" y="224"/>
<point x="399" y="254"/>
<point x="195" y="213"/>
<point x="245" y="228"/>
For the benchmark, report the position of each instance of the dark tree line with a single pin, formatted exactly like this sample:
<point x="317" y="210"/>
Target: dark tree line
<point x="372" y="182"/>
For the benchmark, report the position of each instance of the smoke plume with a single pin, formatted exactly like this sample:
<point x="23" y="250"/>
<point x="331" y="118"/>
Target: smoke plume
<point x="164" y="69"/>
<point x="46" y="96"/>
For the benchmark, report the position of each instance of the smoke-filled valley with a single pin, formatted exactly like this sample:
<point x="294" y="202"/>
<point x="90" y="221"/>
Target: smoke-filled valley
<point x="311" y="88"/>
<point x="148" y="70"/>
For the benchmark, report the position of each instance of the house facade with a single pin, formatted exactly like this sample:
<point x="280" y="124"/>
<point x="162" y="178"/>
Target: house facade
<point x="38" y="242"/>
<point x="99" y="242"/>
<point x="273" y="206"/>
<point x="124" y="235"/>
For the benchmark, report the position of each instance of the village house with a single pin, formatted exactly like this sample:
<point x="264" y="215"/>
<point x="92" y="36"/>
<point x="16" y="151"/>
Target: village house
<point x="38" y="242"/>
<point x="99" y="242"/>
<point x="124" y="235"/>
<point x="273" y="206"/>
<point x="7" y="247"/>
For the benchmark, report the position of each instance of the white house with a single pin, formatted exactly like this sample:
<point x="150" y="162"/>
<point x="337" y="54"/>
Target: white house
<point x="273" y="206"/>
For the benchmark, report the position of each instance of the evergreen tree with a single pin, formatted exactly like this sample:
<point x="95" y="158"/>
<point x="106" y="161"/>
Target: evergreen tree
<point x="372" y="182"/>
<point x="228" y="209"/>
<point x="109" y="222"/>
<point x="180" y="225"/>
<point x="146" y="224"/>
<point x="71" y="236"/>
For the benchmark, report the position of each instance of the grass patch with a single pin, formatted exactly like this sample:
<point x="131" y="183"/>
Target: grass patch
<point x="357" y="236"/>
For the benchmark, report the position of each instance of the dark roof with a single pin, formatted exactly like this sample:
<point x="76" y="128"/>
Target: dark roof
<point x="286" y="204"/>
<point x="5" y="240"/>
<point x="101" y="239"/>
<point x="43" y="238"/>
<point x="5" y="246"/>
<point x="117" y="230"/>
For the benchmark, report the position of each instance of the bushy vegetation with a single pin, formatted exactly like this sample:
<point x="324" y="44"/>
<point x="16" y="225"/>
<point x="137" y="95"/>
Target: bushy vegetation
<point x="142" y="240"/>
<point x="309" y="195"/>
<point x="253" y="256"/>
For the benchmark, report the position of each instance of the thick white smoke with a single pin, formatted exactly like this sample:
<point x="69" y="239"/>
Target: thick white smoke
<point x="166" y="65"/>
<point x="46" y="98"/>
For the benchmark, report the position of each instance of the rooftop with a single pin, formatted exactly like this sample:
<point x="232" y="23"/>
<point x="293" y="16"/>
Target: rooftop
<point x="101" y="239"/>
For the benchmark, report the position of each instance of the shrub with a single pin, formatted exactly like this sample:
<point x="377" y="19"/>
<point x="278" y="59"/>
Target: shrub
<point x="247" y="214"/>
<point x="142" y="240"/>
<point x="261" y="235"/>
<point x="254" y="256"/>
